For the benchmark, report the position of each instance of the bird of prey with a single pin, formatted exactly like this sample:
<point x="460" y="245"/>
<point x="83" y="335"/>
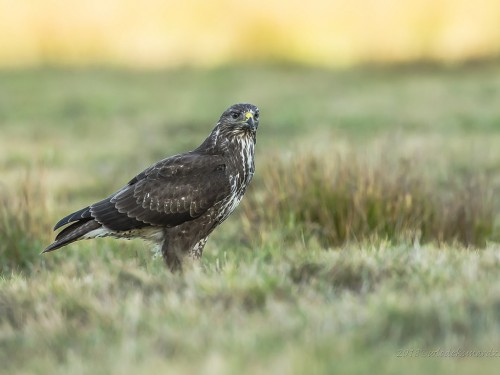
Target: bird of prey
<point x="177" y="202"/>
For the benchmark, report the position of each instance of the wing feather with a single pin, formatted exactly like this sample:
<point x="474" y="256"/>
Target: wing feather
<point x="175" y="190"/>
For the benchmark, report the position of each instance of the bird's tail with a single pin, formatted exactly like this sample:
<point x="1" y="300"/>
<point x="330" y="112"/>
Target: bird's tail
<point x="73" y="233"/>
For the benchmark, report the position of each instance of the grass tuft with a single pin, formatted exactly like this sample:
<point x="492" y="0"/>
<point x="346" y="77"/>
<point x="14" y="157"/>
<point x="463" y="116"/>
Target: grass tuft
<point x="23" y="223"/>
<point x="342" y="199"/>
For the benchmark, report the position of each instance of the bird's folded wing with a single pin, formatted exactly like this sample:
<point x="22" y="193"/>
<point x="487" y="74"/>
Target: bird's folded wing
<point x="169" y="193"/>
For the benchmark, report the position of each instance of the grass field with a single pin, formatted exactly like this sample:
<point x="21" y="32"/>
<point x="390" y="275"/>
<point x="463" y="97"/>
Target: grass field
<point x="369" y="240"/>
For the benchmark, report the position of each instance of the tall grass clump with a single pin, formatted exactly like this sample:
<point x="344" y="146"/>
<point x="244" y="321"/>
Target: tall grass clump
<point x="345" y="198"/>
<point x="22" y="223"/>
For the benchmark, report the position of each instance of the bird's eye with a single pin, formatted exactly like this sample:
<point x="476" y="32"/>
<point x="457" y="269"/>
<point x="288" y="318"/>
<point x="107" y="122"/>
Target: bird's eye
<point x="256" y="116"/>
<point x="235" y="115"/>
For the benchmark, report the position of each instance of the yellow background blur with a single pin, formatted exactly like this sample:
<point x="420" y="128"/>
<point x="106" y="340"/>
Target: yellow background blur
<point x="154" y="33"/>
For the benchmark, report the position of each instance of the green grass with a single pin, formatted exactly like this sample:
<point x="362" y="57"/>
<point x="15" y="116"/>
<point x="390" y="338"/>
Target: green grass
<point x="370" y="230"/>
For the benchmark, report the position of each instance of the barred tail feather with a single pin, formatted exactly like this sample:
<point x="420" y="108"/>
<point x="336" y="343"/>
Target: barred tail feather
<point x="73" y="233"/>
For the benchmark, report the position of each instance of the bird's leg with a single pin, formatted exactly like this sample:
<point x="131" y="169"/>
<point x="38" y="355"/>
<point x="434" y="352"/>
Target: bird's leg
<point x="174" y="263"/>
<point x="170" y="257"/>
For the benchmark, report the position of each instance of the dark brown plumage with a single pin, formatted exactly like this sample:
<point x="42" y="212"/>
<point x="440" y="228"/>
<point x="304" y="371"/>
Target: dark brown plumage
<point x="179" y="201"/>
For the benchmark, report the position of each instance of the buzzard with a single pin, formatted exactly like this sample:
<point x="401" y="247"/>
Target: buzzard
<point x="180" y="200"/>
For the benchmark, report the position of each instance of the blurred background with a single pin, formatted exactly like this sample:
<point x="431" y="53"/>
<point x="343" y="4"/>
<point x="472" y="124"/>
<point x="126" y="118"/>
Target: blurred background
<point x="372" y="224"/>
<point x="156" y="33"/>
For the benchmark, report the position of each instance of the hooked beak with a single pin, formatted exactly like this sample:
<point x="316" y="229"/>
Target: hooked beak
<point x="249" y="119"/>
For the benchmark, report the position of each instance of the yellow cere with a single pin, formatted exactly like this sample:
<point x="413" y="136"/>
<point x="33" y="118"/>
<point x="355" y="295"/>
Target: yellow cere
<point x="248" y="115"/>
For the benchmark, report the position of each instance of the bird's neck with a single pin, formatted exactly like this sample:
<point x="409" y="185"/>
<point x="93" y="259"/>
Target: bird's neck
<point x="221" y="142"/>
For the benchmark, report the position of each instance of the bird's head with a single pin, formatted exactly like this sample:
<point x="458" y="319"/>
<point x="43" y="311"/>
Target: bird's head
<point x="240" y="119"/>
